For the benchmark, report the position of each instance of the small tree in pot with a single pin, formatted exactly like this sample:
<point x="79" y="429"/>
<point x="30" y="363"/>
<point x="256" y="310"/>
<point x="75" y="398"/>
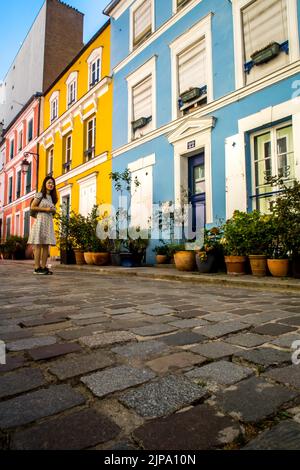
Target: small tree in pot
<point x="235" y="243"/>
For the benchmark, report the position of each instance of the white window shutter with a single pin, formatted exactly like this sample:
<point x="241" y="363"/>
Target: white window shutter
<point x="142" y="198"/>
<point x="192" y="67"/>
<point x="296" y="132"/>
<point x="142" y="99"/>
<point x="142" y="20"/>
<point x="236" y="191"/>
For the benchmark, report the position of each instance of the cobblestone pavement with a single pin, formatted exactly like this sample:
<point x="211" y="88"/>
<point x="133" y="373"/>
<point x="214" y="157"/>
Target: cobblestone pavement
<point x="120" y="363"/>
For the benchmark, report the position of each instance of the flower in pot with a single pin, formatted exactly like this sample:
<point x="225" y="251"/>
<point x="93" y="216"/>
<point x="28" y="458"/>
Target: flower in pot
<point x="278" y="262"/>
<point x="258" y="233"/>
<point x="235" y="243"/>
<point x="162" y="253"/>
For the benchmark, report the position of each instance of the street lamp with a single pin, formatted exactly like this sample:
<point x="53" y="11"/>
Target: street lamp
<point x="25" y="163"/>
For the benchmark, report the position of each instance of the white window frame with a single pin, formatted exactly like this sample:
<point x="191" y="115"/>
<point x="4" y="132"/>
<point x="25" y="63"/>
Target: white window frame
<point x="273" y="132"/>
<point x="72" y="80"/>
<point x="94" y="120"/>
<point x="149" y="68"/>
<point x="17" y="232"/>
<point x="20" y="132"/>
<point x="67" y="137"/>
<point x="27" y="126"/>
<point x="50" y="151"/>
<point x="196" y="33"/>
<point x="10" y="175"/>
<point x="175" y="8"/>
<point x="65" y="191"/>
<point x="54" y="98"/>
<point x="12" y="139"/>
<point x="10" y="218"/>
<point x="17" y="171"/>
<point x="23" y="222"/>
<point x="95" y="55"/>
<point x="132" y="11"/>
<point x="292" y="22"/>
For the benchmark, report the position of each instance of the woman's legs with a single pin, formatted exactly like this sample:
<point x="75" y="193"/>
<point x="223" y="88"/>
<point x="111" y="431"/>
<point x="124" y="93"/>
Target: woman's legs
<point x="45" y="253"/>
<point x="37" y="256"/>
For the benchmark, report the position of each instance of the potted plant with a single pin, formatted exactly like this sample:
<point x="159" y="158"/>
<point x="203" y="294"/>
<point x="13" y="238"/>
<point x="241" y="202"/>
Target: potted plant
<point x="100" y="251"/>
<point x="278" y="261"/>
<point x="162" y="253"/>
<point x="184" y="259"/>
<point x="235" y="243"/>
<point x="14" y="248"/>
<point x="258" y="233"/>
<point x="136" y="251"/>
<point x="206" y="257"/>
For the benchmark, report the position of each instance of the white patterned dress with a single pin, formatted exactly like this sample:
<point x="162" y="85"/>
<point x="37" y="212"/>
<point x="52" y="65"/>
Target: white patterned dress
<point x="42" y="231"/>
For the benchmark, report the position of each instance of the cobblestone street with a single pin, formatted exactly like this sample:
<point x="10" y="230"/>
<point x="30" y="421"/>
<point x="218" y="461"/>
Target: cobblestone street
<point x="100" y="362"/>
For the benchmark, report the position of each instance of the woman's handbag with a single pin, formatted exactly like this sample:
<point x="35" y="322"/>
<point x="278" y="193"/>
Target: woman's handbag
<point x="32" y="212"/>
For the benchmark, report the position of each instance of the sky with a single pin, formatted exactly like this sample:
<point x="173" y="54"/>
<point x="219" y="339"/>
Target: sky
<point x="17" y="16"/>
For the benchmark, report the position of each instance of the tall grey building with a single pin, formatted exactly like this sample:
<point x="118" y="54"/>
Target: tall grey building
<point x="55" y="37"/>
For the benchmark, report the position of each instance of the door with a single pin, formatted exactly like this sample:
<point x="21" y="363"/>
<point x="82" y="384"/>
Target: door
<point x="196" y="170"/>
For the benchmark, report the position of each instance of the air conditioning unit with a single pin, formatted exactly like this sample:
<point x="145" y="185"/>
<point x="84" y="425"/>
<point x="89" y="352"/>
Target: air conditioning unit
<point x="141" y="122"/>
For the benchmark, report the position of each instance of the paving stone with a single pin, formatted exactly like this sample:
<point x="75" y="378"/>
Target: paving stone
<point x="21" y="334"/>
<point x="222" y="329"/>
<point x="29" y="343"/>
<point x="246" y="311"/>
<point x="105" y="339"/>
<point x="141" y="350"/>
<point x="283" y="436"/>
<point x="121" y="311"/>
<point x="273" y="329"/>
<point x="174" y="432"/>
<point x="175" y="361"/>
<point x="222" y="372"/>
<point x="191" y="314"/>
<point x="76" y="333"/>
<point x="220" y="316"/>
<point x="115" y="379"/>
<point x="295" y="320"/>
<point x="90" y="321"/>
<point x="85" y="316"/>
<point x="83" y="364"/>
<point x="153" y="330"/>
<point x="215" y="350"/>
<point x="254" y="399"/>
<point x="81" y="430"/>
<point x="22" y="381"/>
<point x="12" y="363"/>
<point x="182" y="338"/>
<point x="41" y="321"/>
<point x="54" y="350"/>
<point x="264" y="317"/>
<point x="287" y="375"/>
<point x="248" y="340"/>
<point x="163" y="397"/>
<point x="295" y="309"/>
<point x="120" y="306"/>
<point x="189" y="323"/>
<point x="156" y="309"/>
<point x="265" y="356"/>
<point x="35" y="405"/>
<point x="286" y="341"/>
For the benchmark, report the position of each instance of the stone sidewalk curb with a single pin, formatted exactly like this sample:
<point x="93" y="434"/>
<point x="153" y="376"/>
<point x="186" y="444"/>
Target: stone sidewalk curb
<point x="171" y="274"/>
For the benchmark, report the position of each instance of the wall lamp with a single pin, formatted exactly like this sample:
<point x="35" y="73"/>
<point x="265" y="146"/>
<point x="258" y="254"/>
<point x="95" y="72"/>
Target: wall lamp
<point x="25" y="163"/>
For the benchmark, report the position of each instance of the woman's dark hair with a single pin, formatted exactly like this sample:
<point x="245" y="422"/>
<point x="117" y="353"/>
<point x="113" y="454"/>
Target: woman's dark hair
<point x="53" y="192"/>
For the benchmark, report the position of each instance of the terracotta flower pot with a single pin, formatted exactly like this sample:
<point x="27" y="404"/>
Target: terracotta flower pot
<point x="278" y="267"/>
<point x="88" y="257"/>
<point x="185" y="260"/>
<point x="235" y="264"/>
<point x="161" y="259"/>
<point x="258" y="265"/>
<point x="100" y="259"/>
<point x="79" y="256"/>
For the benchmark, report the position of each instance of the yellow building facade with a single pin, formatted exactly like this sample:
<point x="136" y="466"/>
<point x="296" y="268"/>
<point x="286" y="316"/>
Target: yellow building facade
<point x="76" y="132"/>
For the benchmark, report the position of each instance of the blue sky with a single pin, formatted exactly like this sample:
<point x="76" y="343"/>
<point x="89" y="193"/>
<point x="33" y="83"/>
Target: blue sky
<point x="17" y="17"/>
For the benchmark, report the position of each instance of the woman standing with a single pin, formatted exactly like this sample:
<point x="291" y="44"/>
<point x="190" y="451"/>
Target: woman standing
<point x="42" y="232"/>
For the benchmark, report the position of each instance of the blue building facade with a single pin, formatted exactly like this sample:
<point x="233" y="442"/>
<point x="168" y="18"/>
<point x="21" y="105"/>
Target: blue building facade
<point x="206" y="101"/>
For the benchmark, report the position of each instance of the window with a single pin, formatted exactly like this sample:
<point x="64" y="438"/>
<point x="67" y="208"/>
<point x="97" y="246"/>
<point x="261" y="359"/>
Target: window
<point x="28" y="179"/>
<point x="8" y="227"/>
<point x="181" y="3"/>
<point x="94" y="72"/>
<point x="66" y="204"/>
<point x="30" y="130"/>
<point x="18" y="192"/>
<point x="20" y="146"/>
<point x="17" y="225"/>
<point x="50" y="160"/>
<point x="87" y="193"/>
<point x="68" y="154"/>
<point x="26" y="224"/>
<point x="142" y="108"/>
<point x="12" y="149"/>
<point x="90" y="139"/>
<point x="71" y="93"/>
<point x="141" y="23"/>
<point x="192" y="79"/>
<point x="142" y="195"/>
<point x="54" y="108"/>
<point x="273" y="155"/>
<point x="10" y="186"/>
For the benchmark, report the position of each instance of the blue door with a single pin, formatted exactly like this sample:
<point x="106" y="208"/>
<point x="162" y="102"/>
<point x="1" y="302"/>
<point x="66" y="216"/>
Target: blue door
<point x="197" y="190"/>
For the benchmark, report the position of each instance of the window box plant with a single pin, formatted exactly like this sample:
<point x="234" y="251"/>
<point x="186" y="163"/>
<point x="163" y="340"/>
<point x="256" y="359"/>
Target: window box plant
<point x="141" y="122"/>
<point x="267" y="53"/>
